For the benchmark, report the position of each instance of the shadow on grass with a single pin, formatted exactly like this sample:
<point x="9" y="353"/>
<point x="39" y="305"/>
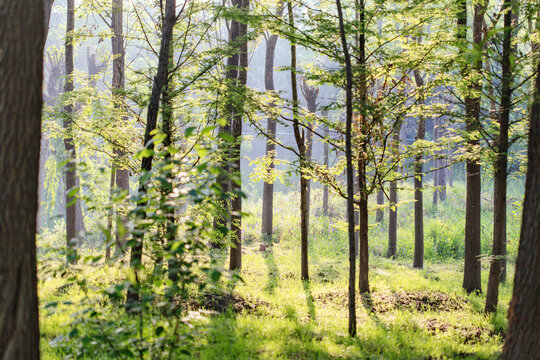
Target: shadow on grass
<point x="309" y="300"/>
<point x="273" y="272"/>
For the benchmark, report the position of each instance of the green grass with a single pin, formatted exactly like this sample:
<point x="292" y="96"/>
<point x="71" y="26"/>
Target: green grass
<point x="290" y="319"/>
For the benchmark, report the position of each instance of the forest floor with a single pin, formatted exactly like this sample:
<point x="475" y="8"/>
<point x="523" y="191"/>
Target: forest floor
<point x="272" y="314"/>
<point x="410" y="314"/>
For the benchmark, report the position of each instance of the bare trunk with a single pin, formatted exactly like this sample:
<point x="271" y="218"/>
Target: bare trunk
<point x="350" y="175"/>
<point x="236" y="129"/>
<point x="418" y="262"/>
<point x="21" y="73"/>
<point x="118" y="85"/>
<point x="392" y="217"/>
<point x="301" y="144"/>
<point x="524" y="313"/>
<point x="379" y="217"/>
<point x="472" y="270"/>
<point x="71" y="167"/>
<point x="501" y="164"/>
<point x="267" y="221"/>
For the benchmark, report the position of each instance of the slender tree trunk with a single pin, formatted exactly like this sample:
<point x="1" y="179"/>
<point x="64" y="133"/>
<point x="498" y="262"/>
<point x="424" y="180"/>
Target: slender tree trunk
<point x="118" y="85"/>
<point x="110" y="216"/>
<point x="501" y="164"/>
<point x="418" y="262"/>
<point x="21" y="76"/>
<point x="363" y="280"/>
<point x="236" y="218"/>
<point x="472" y="269"/>
<point x="300" y="142"/>
<point x="436" y="165"/>
<point x="325" y="162"/>
<point x="151" y="124"/>
<point x="350" y="174"/>
<point x="392" y="217"/>
<point x="71" y="167"/>
<point x="267" y="226"/>
<point x="379" y="217"/>
<point x="522" y="339"/>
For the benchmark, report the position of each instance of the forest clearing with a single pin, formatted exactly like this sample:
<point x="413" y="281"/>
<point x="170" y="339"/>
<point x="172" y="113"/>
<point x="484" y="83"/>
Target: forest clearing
<point x="269" y="179"/>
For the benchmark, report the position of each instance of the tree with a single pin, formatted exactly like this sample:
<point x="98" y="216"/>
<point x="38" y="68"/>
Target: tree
<point x="363" y="273"/>
<point x="418" y="262"/>
<point x="472" y="270"/>
<point x="392" y="216"/>
<point x="350" y="174"/>
<point x="21" y="72"/>
<point x="71" y="180"/>
<point x="500" y="165"/>
<point x="151" y="124"/>
<point x="301" y="144"/>
<point x="267" y="229"/>
<point x="524" y="313"/>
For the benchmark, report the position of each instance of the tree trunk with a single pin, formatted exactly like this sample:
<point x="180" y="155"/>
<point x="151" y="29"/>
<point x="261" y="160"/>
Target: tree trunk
<point x="151" y="123"/>
<point x="472" y="269"/>
<point x="418" y="262"/>
<point x="71" y="167"/>
<point x="325" y="162"/>
<point x="392" y="217"/>
<point x="522" y="339"/>
<point x="379" y="217"/>
<point x="436" y="165"/>
<point x="350" y="175"/>
<point x="501" y="164"/>
<point x="363" y="280"/>
<point x="110" y="216"/>
<point x="118" y="85"/>
<point x="267" y="223"/>
<point x="236" y="187"/>
<point x="21" y="73"/>
<point x="301" y="144"/>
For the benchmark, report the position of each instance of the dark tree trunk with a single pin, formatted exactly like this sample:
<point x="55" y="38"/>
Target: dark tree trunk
<point x="522" y="339"/>
<point x="151" y="123"/>
<point x="300" y="142"/>
<point x="267" y="226"/>
<point x="71" y="167"/>
<point x="472" y="269"/>
<point x="418" y="262"/>
<point x="118" y="85"/>
<point x="501" y="164"/>
<point x="379" y="217"/>
<point x="236" y="187"/>
<point x="363" y="280"/>
<point x="392" y="216"/>
<point x="21" y="73"/>
<point x="350" y="175"/>
<point x="110" y="216"/>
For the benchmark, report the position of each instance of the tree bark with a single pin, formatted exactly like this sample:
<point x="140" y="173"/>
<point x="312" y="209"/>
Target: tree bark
<point x="300" y="142"/>
<point x="71" y="167"/>
<point x="501" y="164"/>
<point x="379" y="217"/>
<point x="418" y="262"/>
<point x="151" y="123"/>
<point x="236" y="129"/>
<point x="21" y="73"/>
<point x="118" y="85"/>
<point x="522" y="339"/>
<point x="350" y="174"/>
<point x="392" y="216"/>
<point x="363" y="280"/>
<point x="267" y="221"/>
<point x="472" y="269"/>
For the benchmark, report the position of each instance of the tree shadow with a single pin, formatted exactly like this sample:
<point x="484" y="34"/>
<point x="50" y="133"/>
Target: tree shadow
<point x="273" y="271"/>
<point x="309" y="300"/>
<point x="367" y="301"/>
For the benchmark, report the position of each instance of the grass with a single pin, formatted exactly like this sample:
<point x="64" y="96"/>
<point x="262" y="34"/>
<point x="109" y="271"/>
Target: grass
<point x="410" y="314"/>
